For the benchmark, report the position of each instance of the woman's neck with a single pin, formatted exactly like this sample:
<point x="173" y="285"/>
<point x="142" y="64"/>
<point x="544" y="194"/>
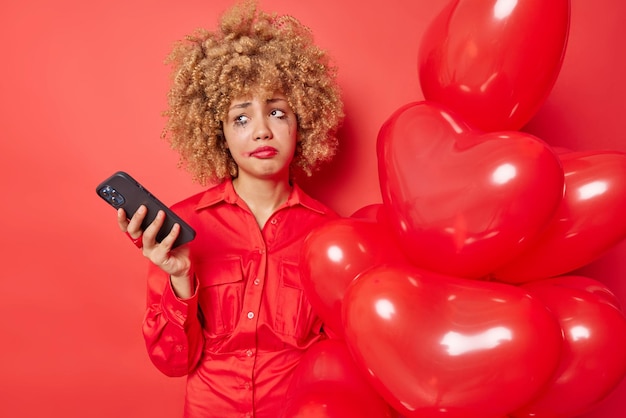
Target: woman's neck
<point x="263" y="196"/>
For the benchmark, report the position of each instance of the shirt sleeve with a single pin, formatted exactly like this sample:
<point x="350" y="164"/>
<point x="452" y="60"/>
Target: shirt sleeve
<point x="171" y="328"/>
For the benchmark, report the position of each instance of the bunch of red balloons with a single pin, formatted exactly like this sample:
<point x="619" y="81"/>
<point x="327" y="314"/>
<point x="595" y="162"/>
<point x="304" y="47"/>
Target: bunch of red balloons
<point x="455" y="297"/>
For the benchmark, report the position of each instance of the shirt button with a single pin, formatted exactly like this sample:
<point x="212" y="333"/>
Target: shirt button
<point x="248" y="415"/>
<point x="274" y="221"/>
<point x="256" y="282"/>
<point x="250" y="315"/>
<point x="247" y="385"/>
<point x="249" y="353"/>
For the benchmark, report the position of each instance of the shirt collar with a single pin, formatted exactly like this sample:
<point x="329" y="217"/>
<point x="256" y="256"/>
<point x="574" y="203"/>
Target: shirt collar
<point x="225" y="192"/>
<point x="221" y="192"/>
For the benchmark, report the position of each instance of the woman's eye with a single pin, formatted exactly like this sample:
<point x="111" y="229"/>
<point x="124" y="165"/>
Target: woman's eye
<point x="278" y="113"/>
<point x="241" y="120"/>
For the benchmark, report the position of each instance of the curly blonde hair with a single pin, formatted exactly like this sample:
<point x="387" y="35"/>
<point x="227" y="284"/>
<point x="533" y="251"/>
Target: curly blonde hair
<point x="251" y="51"/>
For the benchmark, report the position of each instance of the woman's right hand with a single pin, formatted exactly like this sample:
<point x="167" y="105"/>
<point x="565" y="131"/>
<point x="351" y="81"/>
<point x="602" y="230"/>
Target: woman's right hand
<point x="173" y="261"/>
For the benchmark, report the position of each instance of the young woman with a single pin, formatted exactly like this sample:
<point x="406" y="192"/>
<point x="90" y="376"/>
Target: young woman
<point x="251" y="104"/>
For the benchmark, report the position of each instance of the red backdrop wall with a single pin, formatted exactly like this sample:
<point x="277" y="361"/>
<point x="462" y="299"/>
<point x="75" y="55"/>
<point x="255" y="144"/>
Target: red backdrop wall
<point x="82" y="85"/>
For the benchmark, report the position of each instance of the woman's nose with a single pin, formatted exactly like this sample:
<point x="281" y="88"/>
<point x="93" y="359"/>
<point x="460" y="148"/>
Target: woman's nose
<point x="262" y="130"/>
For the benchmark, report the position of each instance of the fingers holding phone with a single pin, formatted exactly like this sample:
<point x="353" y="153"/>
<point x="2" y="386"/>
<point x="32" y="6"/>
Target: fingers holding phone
<point x="173" y="261"/>
<point x="132" y="226"/>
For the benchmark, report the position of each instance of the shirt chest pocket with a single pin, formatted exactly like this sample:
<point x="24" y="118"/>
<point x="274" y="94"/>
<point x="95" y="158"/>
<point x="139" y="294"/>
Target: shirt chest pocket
<point x="294" y="314"/>
<point x="221" y="294"/>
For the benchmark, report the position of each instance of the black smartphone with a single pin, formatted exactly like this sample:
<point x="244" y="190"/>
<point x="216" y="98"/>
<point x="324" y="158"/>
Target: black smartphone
<point x="122" y="191"/>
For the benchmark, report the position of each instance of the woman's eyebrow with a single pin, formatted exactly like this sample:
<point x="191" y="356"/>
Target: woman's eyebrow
<point x="244" y="105"/>
<point x="241" y="105"/>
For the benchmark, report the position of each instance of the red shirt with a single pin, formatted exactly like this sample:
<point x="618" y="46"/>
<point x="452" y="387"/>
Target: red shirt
<point x="239" y="337"/>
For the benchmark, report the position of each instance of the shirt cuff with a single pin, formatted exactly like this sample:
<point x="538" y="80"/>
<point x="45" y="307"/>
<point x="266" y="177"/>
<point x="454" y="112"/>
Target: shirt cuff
<point x="177" y="310"/>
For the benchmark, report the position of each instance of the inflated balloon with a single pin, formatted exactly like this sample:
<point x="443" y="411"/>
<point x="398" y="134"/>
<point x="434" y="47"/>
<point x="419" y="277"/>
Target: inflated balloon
<point x="329" y="400"/>
<point x="328" y="366"/>
<point x="437" y="346"/>
<point x="593" y="361"/>
<point x="373" y="212"/>
<point x="334" y="254"/>
<point x="460" y="201"/>
<point x="589" y="221"/>
<point x="494" y="61"/>
<point x="561" y="150"/>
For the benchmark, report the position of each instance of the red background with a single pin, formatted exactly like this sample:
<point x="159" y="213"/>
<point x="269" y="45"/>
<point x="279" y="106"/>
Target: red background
<point x="82" y="86"/>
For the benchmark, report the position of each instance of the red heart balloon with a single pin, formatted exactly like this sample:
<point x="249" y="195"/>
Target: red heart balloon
<point x="589" y="220"/>
<point x="372" y="212"/>
<point x="593" y="361"/>
<point x="494" y="62"/>
<point x="326" y="367"/>
<point x="460" y="201"/>
<point x="329" y="400"/>
<point x="335" y="254"/>
<point x="436" y="346"/>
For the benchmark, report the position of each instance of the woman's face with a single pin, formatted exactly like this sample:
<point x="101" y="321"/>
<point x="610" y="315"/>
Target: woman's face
<point x="261" y="135"/>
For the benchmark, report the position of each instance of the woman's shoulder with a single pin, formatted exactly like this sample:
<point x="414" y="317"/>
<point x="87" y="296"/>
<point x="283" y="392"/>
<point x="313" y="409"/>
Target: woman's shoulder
<point x="213" y="194"/>
<point x="306" y="200"/>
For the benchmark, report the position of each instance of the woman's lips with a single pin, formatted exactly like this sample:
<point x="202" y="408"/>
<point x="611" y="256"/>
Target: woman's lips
<point x="264" y="152"/>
